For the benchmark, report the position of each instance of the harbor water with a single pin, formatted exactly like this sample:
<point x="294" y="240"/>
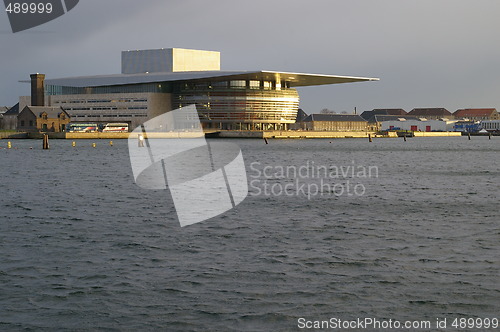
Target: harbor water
<point x="389" y="230"/>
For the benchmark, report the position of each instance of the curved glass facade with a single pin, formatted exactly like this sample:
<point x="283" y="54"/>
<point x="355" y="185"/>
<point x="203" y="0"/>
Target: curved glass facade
<point x="240" y="105"/>
<point x="222" y="105"/>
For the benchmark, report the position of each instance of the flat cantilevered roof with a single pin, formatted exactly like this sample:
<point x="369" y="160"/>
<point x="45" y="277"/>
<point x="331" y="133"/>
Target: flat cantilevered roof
<point x="295" y="79"/>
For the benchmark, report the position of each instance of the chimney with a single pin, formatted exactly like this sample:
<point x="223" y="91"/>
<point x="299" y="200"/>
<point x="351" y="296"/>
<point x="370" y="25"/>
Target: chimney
<point x="37" y="90"/>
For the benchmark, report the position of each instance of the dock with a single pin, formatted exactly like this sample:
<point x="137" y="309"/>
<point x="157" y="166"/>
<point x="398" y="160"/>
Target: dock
<point x="288" y="134"/>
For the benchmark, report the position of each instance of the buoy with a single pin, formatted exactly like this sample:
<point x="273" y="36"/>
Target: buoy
<point x="73" y="144"/>
<point x="9" y="145"/>
<point x="110" y="143"/>
<point x="140" y="141"/>
<point x="93" y="145"/>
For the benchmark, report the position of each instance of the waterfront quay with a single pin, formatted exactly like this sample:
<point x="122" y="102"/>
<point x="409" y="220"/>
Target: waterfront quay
<point x="288" y="134"/>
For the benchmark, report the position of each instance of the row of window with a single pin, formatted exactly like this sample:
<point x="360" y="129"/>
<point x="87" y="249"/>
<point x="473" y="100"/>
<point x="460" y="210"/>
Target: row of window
<point x="102" y="108"/>
<point x="166" y="87"/>
<point x="100" y="101"/>
<point x="55" y="90"/>
<point x="491" y="125"/>
<point x="237" y="84"/>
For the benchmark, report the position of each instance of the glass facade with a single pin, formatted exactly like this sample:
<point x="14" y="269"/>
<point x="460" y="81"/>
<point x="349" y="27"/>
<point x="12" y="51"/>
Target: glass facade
<point x="56" y="90"/>
<point x="240" y="104"/>
<point x="226" y="105"/>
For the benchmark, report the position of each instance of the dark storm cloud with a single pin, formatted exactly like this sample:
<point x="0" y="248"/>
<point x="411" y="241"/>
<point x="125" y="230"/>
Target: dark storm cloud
<point x="427" y="53"/>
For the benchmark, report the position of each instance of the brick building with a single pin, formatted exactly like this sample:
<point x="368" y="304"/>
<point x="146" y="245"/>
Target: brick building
<point x="477" y="114"/>
<point x="44" y="119"/>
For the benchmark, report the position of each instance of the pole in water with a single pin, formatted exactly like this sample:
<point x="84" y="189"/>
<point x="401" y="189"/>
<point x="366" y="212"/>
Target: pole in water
<point x="404" y="137"/>
<point x="468" y="134"/>
<point x="265" y="139"/>
<point x="140" y="141"/>
<point x="46" y="145"/>
<point x="370" y="138"/>
<point x="489" y="136"/>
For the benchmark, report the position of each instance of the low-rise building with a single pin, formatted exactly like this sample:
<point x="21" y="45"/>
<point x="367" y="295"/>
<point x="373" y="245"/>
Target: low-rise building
<point x="334" y="122"/>
<point x="490" y="125"/>
<point x="367" y="115"/>
<point x="26" y="120"/>
<point x="477" y="114"/>
<point x="42" y="118"/>
<point x="436" y="113"/>
<point x="375" y="122"/>
<point x="3" y="109"/>
<point x="417" y="125"/>
<point x="10" y="118"/>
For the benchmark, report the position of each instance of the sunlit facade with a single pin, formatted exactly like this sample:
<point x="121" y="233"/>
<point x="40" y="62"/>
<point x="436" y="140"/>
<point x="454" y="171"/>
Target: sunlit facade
<point x="157" y="81"/>
<point x="240" y="104"/>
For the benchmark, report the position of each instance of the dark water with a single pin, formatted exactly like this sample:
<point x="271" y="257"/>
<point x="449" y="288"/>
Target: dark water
<point x="83" y="248"/>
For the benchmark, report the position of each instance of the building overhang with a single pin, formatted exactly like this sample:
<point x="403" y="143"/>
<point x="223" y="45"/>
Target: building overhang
<point x="294" y="79"/>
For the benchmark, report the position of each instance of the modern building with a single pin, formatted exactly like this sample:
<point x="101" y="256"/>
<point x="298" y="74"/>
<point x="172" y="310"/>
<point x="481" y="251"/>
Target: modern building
<point x="490" y="125"/>
<point x="153" y="82"/>
<point x="334" y="122"/>
<point x="477" y="114"/>
<point x="431" y="113"/>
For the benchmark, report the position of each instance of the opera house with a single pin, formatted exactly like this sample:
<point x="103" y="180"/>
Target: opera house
<point x="153" y="82"/>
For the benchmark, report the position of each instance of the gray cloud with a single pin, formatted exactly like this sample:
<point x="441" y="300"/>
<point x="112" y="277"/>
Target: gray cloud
<point x="427" y="53"/>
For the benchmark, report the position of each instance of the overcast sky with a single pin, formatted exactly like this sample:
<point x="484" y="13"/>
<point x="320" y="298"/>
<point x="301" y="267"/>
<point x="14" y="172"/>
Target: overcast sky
<point x="427" y="53"/>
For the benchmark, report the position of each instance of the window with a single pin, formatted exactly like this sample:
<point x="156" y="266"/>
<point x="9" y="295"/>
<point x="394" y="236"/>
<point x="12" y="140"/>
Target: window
<point x="22" y="123"/>
<point x="238" y="84"/>
<point x="201" y="86"/>
<point x="220" y="85"/>
<point x="254" y="84"/>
